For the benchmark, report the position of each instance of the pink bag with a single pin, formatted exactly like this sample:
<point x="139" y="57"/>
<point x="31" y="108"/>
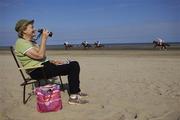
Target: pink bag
<point x="48" y="98"/>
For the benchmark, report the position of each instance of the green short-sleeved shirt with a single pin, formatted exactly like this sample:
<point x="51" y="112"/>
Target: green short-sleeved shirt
<point x="21" y="47"/>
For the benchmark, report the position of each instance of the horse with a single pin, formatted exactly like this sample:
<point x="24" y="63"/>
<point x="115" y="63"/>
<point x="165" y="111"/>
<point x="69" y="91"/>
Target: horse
<point x="98" y="46"/>
<point x="85" y="45"/>
<point x="162" y="46"/>
<point x="67" y="46"/>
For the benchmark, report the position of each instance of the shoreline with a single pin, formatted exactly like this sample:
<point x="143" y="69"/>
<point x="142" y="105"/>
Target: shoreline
<point x="109" y="53"/>
<point x="123" y="46"/>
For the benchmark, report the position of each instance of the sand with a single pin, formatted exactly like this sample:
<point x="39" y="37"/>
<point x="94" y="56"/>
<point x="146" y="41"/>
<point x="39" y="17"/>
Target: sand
<point x="122" y="85"/>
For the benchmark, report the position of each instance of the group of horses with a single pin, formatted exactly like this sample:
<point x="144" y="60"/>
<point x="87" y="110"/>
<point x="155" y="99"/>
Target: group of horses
<point x="162" y="46"/>
<point x="85" y="46"/>
<point x="96" y="45"/>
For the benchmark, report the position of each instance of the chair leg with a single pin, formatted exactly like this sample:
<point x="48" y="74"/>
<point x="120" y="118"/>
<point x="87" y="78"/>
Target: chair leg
<point x="62" y="86"/>
<point x="24" y="95"/>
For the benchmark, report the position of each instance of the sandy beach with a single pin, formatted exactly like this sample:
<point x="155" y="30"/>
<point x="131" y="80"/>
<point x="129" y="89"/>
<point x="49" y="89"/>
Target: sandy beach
<point x="122" y="85"/>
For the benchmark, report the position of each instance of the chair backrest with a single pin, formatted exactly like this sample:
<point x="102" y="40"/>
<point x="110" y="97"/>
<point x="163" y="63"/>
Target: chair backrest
<point x="17" y="63"/>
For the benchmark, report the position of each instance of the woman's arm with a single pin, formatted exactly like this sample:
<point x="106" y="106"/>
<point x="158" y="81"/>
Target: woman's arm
<point x="39" y="53"/>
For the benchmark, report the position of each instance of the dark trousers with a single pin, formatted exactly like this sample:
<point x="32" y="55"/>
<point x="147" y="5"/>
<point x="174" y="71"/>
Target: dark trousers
<point x="51" y="70"/>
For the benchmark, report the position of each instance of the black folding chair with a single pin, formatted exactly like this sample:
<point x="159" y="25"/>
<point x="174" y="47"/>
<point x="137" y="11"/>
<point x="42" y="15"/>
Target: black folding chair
<point x="28" y="80"/>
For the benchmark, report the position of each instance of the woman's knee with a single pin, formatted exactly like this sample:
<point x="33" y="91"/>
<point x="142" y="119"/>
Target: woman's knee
<point x="75" y="64"/>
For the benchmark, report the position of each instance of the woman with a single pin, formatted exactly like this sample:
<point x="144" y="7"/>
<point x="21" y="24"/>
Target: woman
<point x="30" y="54"/>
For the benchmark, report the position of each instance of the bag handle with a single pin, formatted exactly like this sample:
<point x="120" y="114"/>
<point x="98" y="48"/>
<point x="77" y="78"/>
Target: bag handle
<point x="49" y="91"/>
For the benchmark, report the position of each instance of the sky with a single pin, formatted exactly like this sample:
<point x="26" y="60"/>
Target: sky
<point x="108" y="21"/>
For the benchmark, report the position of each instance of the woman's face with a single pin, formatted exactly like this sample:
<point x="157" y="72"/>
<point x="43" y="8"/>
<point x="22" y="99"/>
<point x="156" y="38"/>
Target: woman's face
<point x="30" y="31"/>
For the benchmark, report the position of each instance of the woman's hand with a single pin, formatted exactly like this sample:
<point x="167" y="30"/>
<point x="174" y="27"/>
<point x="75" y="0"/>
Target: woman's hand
<point x="45" y="34"/>
<point x="57" y="62"/>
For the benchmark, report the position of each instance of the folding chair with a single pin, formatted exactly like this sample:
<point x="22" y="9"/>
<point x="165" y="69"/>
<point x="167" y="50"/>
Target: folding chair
<point x="28" y="80"/>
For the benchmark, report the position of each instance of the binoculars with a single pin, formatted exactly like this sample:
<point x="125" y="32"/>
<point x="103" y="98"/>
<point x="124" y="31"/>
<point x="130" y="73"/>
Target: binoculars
<point x="41" y="30"/>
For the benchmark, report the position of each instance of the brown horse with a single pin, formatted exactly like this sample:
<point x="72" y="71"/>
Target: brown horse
<point x="162" y="46"/>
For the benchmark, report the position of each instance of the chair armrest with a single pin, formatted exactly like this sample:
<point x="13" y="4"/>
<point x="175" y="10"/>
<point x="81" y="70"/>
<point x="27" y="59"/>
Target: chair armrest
<point x="26" y="68"/>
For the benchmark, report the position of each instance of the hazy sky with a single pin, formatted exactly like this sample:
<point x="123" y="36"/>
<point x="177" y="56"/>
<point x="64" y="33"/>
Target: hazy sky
<point x="110" y="21"/>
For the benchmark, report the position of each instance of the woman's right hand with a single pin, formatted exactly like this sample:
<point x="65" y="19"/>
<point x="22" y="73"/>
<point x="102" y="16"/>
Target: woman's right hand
<point x="45" y="34"/>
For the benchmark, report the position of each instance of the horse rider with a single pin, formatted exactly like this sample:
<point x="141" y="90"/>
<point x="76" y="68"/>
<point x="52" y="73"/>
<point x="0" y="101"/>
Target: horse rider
<point x="66" y="43"/>
<point x="98" y="43"/>
<point x="160" y="41"/>
<point x="86" y="43"/>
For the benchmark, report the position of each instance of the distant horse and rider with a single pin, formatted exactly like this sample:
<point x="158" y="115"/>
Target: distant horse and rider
<point x="98" y="45"/>
<point x="67" y="45"/>
<point x="160" y="43"/>
<point x="85" y="45"/>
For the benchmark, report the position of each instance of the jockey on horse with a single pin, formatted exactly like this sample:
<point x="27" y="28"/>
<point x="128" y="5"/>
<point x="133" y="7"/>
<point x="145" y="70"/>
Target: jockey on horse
<point x="85" y="44"/>
<point x="67" y="45"/>
<point x="98" y="45"/>
<point x="159" y="42"/>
